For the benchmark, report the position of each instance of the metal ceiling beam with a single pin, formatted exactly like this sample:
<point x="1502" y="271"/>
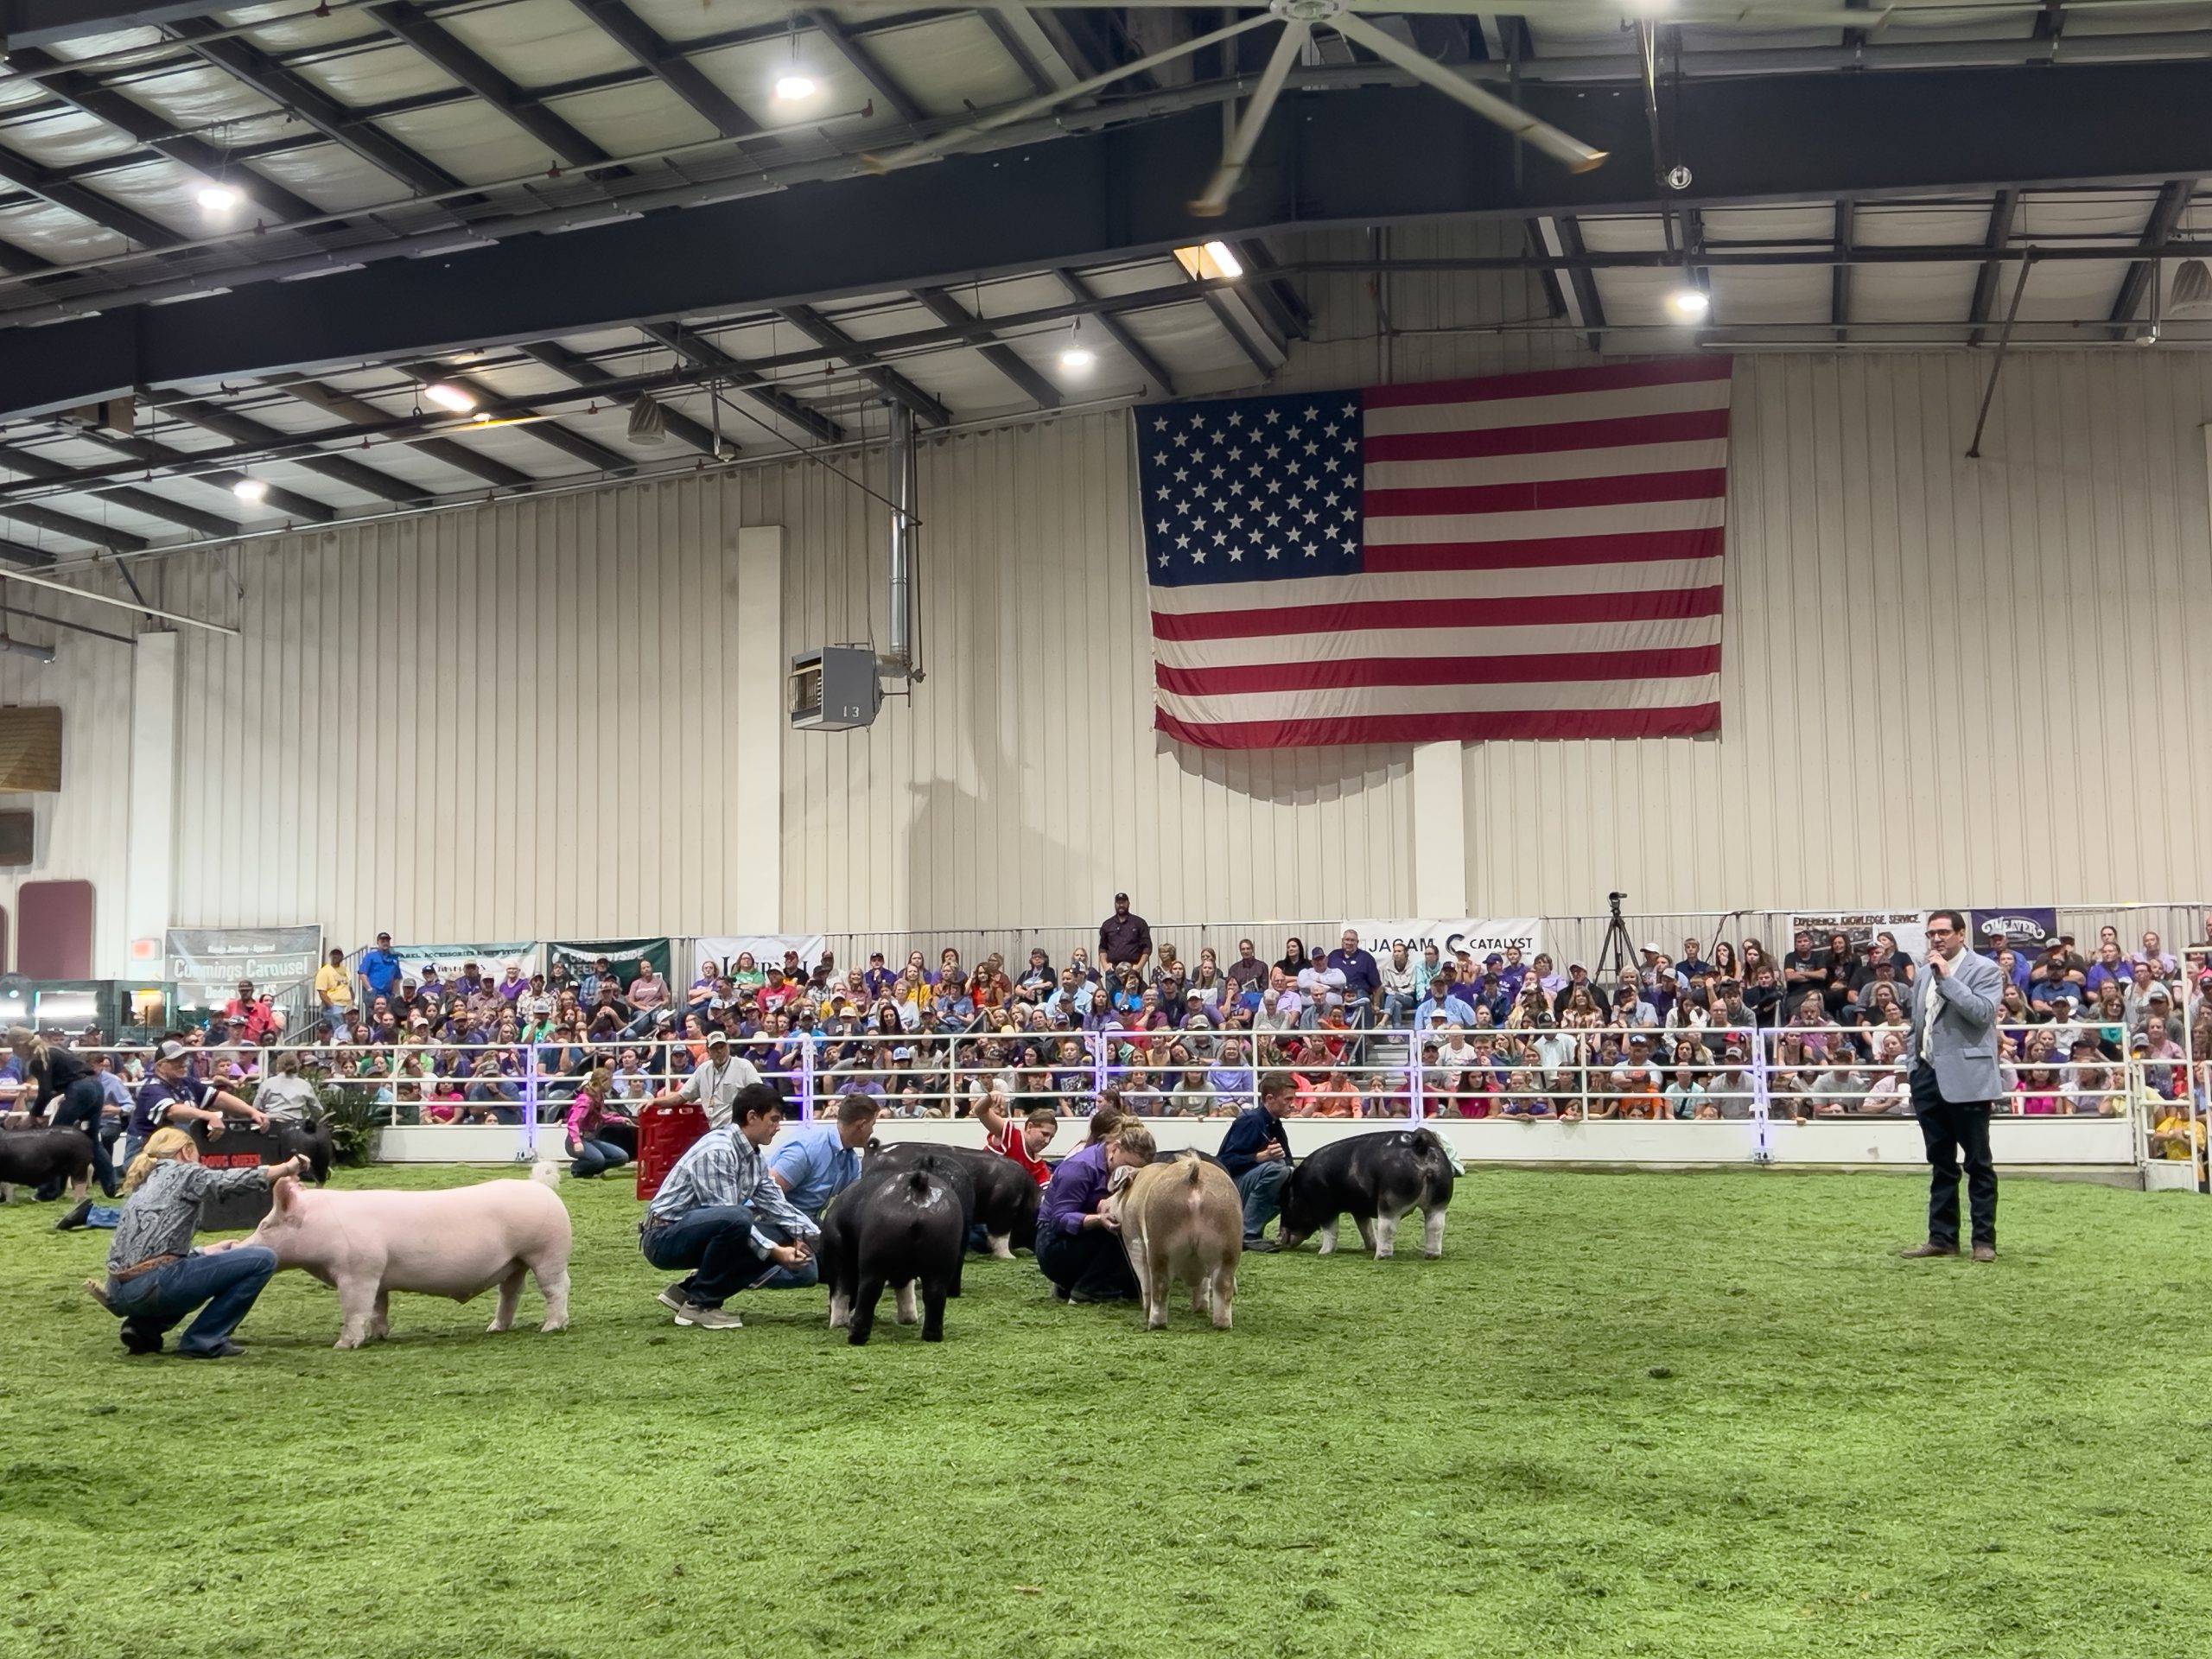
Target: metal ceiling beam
<point x="755" y="386"/>
<point x="1334" y="159"/>
<point x="347" y="407"/>
<point x="1554" y="295"/>
<point x="429" y="37"/>
<point x="301" y="97"/>
<point x="1243" y="332"/>
<point x="548" y="432"/>
<point x="2165" y="214"/>
<point x="1985" y="284"/>
<point x="1589" y="308"/>
<point x="1118" y="331"/>
<point x="44" y="181"/>
<point x="864" y="65"/>
<point x="585" y="373"/>
<point x="1007" y="361"/>
<point x="123" y="495"/>
<point x="22" y="553"/>
<point x="1839" y="278"/>
<point x="42" y="22"/>
<point x="681" y="76"/>
<point x="878" y="373"/>
<point x="82" y="529"/>
<point x="86" y="93"/>
<point x="1281" y="298"/>
<point x="242" y="429"/>
<point x="185" y="463"/>
<point x="1015" y="46"/>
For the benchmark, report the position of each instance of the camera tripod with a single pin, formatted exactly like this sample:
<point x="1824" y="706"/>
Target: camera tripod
<point x="1615" y="953"/>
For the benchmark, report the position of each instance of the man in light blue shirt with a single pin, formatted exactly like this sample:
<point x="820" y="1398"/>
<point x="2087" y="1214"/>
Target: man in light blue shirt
<point x="817" y="1161"/>
<point x="1455" y="1010"/>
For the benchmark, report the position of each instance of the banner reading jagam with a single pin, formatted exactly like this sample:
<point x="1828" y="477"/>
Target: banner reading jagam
<point x="1477" y="935"/>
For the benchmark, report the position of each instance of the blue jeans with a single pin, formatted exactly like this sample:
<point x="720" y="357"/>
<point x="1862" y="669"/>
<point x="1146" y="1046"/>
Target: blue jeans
<point x="226" y="1281"/>
<point x="1260" y="1189"/>
<point x="591" y="1157"/>
<point x="715" y="1244"/>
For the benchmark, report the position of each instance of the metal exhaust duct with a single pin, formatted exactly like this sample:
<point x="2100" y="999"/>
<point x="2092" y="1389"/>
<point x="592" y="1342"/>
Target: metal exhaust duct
<point x="897" y="660"/>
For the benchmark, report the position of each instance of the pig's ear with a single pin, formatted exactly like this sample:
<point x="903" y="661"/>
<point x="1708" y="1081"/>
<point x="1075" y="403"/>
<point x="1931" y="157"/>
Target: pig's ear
<point x="287" y="1195"/>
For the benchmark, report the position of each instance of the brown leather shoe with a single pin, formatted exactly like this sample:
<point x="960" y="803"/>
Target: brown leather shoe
<point x="1985" y="1252"/>
<point x="1931" y="1248"/>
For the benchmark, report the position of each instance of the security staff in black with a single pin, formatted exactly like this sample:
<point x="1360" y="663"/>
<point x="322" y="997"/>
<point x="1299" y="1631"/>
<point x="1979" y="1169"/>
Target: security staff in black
<point x="71" y="1090"/>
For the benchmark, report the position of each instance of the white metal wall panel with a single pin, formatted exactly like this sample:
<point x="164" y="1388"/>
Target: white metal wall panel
<point x="508" y="722"/>
<point x="82" y="833"/>
<point x="2052" y="599"/>
<point x="1024" y="782"/>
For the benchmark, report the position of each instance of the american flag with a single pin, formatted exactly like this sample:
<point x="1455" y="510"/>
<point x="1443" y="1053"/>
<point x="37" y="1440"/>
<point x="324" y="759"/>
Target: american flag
<point x="1524" y="555"/>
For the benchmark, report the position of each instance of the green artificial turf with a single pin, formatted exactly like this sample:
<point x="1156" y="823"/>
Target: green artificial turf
<point x="1695" y="1415"/>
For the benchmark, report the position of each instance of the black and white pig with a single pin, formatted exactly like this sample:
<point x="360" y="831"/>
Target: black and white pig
<point x="35" y="1157"/>
<point x="1005" y="1197"/>
<point x="1376" y="1179"/>
<point x="901" y="1226"/>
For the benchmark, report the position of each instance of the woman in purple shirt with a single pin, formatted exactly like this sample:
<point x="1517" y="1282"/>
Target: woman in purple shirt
<point x="1079" y="1242"/>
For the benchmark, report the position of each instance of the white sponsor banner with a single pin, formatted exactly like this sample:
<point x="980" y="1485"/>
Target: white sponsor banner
<point x="767" y="950"/>
<point x="1908" y="927"/>
<point x="207" y="962"/>
<point x="491" y="959"/>
<point x="1477" y="935"/>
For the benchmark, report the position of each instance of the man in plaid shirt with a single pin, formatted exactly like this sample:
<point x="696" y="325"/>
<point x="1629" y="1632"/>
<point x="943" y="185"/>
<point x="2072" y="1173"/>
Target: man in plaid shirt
<point x="722" y="1215"/>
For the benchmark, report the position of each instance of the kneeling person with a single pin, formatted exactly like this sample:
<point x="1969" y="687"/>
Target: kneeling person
<point x="1078" y="1241"/>
<point x="819" y="1161"/>
<point x="1256" y="1153"/>
<point x="720" y="1215"/>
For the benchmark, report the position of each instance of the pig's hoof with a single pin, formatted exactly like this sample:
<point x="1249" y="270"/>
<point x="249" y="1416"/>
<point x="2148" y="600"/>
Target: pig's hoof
<point x="554" y="1324"/>
<point x="1432" y="1255"/>
<point x="346" y="1342"/>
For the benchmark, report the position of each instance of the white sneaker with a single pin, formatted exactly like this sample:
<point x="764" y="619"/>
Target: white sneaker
<point x="709" y="1318"/>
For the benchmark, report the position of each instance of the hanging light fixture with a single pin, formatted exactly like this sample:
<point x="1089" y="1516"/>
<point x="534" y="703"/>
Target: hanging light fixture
<point x="647" y="424"/>
<point x="250" y="489"/>
<point x="1689" y="304"/>
<point x="2192" y="286"/>
<point x="446" y="395"/>
<point x="1076" y="353"/>
<point x="794" y="83"/>
<point x="216" y="198"/>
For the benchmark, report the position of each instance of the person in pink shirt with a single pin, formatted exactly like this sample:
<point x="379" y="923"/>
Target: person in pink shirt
<point x="590" y="1153"/>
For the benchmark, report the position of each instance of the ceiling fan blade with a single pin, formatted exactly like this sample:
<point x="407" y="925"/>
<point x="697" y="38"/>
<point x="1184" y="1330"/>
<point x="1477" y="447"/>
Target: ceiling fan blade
<point x="1577" y="156"/>
<point x="1711" y="14"/>
<point x="958" y="137"/>
<point x="1214" y="199"/>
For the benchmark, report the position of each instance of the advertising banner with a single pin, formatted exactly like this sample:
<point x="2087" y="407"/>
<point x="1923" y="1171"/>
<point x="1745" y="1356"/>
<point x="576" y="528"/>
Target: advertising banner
<point x="206" y="964"/>
<point x="767" y="949"/>
<point x="1477" y="935"/>
<point x="1909" y="927"/>
<point x="623" y="955"/>
<point x="490" y="956"/>
<point x="2027" y="928"/>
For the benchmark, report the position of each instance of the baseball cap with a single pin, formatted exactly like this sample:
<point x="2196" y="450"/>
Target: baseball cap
<point x="1651" y="947"/>
<point x="902" y="1053"/>
<point x="717" y="1039"/>
<point x="171" y="1050"/>
<point x="1120" y="897"/>
<point x="1494" y="957"/>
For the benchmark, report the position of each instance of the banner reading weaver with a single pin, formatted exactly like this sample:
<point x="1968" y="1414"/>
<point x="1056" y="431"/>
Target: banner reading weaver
<point x="1524" y="555"/>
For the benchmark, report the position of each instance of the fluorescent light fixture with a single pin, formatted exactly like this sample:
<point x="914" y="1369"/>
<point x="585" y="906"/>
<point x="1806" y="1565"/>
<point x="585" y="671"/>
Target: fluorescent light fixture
<point x="793" y="84"/>
<point x="446" y="396"/>
<point x="250" y="489"/>
<point x="217" y="198"/>
<point x="1689" y="303"/>
<point x="1214" y="259"/>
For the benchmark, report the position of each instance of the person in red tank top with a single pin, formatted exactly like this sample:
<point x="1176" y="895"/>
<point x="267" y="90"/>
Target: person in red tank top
<point x="1024" y="1141"/>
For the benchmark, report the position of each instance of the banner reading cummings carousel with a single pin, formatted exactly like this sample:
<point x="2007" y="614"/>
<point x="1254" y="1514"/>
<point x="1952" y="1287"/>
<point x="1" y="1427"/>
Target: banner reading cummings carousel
<point x="207" y="962"/>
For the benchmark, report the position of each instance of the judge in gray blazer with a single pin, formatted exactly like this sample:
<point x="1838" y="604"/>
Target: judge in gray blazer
<point x="1951" y="1051"/>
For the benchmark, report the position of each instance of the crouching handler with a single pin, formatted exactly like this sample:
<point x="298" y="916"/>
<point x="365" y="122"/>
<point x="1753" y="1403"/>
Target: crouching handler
<point x="154" y="1276"/>
<point x="1078" y="1241"/>
<point x="722" y="1215"/>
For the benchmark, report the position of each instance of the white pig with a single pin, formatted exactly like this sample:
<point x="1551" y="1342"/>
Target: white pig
<point x="455" y="1243"/>
<point x="1181" y="1219"/>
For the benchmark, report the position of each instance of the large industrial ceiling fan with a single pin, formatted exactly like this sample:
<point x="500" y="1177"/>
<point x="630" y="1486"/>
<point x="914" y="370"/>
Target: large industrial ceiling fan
<point x="1297" y="19"/>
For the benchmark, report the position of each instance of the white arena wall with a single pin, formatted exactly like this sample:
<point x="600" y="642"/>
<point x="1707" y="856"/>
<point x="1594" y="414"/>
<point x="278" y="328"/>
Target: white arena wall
<point x="562" y="717"/>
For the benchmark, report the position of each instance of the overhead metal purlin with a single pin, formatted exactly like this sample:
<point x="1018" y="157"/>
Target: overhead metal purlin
<point x="1857" y="136"/>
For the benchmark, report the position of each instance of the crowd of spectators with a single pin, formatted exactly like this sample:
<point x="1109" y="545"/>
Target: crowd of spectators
<point x="1682" y="1035"/>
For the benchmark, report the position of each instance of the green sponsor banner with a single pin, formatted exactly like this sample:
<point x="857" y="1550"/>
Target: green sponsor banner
<point x="623" y="955"/>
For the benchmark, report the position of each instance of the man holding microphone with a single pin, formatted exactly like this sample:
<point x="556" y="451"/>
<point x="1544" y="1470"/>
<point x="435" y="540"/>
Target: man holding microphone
<point x="1952" y="1049"/>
